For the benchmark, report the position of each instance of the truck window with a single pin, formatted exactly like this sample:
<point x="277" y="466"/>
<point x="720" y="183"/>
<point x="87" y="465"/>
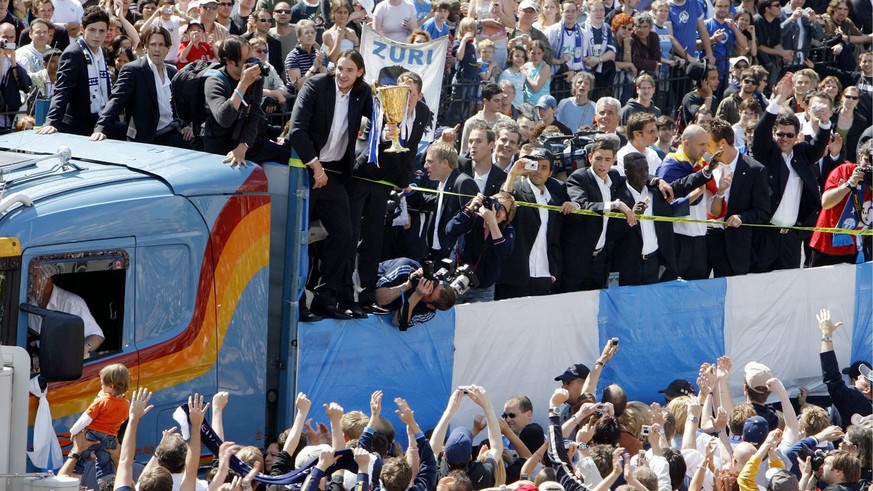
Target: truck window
<point x="90" y="285"/>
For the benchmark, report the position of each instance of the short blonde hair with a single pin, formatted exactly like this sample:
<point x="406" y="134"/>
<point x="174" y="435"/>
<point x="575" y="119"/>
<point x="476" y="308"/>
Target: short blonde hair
<point x="484" y="43"/>
<point x="467" y="24"/>
<point x="444" y="151"/>
<point x="679" y="409"/>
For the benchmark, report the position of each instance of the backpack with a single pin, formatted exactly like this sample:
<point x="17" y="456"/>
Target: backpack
<point x="188" y="87"/>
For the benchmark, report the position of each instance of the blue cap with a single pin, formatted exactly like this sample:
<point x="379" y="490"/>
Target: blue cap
<point x="755" y="430"/>
<point x="547" y="101"/>
<point x="459" y="447"/>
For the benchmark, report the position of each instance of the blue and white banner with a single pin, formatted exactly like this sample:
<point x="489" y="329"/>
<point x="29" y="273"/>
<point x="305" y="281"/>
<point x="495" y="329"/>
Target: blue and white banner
<point x="666" y="331"/>
<point x="386" y="59"/>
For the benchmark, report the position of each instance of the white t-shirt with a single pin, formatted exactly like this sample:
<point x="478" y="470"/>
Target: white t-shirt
<point x="67" y="11"/>
<point x="392" y="17"/>
<point x="64" y="301"/>
<point x="174" y="27"/>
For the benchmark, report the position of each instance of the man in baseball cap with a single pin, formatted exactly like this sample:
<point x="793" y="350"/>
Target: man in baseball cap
<point x="848" y="399"/>
<point x="677" y="388"/>
<point x="755" y="377"/>
<point x="854" y="370"/>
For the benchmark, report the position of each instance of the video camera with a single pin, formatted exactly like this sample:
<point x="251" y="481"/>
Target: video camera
<point x="460" y="278"/>
<point x="569" y="151"/>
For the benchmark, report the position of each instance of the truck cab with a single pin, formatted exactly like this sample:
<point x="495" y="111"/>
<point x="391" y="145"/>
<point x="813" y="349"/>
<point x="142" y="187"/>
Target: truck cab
<point x="168" y="249"/>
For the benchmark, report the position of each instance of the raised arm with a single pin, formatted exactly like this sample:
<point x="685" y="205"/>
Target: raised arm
<point x="219" y="402"/>
<point x="425" y="480"/>
<point x="196" y="414"/>
<point x="438" y="437"/>
<point x="609" y="350"/>
<point x="480" y="397"/>
<point x="689" y="435"/>
<point x="792" y="427"/>
<point x="139" y="407"/>
<point x="303" y="404"/>
<point x="335" y="414"/>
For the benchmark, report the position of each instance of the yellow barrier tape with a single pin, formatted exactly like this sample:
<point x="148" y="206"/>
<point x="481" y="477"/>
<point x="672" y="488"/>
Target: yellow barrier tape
<point x="657" y="218"/>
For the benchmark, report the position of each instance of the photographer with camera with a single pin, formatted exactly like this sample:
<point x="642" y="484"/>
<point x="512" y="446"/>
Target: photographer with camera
<point x="845" y="203"/>
<point x="536" y="254"/>
<point x="485" y="238"/>
<point x="143" y="90"/>
<point x="13" y="79"/>
<point x="404" y="287"/>
<point x="234" y="117"/>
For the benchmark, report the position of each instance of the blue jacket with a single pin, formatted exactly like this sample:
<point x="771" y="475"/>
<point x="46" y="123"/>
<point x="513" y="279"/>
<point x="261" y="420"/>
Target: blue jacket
<point x="485" y="256"/>
<point x="847" y="400"/>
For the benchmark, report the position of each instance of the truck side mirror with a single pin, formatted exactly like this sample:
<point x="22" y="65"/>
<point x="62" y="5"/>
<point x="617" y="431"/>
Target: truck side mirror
<point x="60" y="340"/>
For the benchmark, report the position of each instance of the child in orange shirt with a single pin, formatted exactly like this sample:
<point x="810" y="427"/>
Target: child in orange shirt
<point x="103" y="418"/>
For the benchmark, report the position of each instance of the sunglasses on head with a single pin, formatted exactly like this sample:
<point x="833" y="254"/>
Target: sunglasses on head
<point x="780" y="134"/>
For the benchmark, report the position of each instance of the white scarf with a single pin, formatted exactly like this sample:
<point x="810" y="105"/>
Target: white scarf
<point x="98" y="77"/>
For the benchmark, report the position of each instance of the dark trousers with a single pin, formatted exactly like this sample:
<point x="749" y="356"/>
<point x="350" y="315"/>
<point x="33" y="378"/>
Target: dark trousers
<point x="260" y="151"/>
<point x="598" y="270"/>
<point x="691" y="257"/>
<point x="717" y="254"/>
<point x="584" y="271"/>
<point x="367" y="204"/>
<point x="330" y="204"/>
<point x="775" y="248"/>
<point x="819" y="258"/>
<point x="172" y="138"/>
<point x="643" y="271"/>
<point x="534" y="287"/>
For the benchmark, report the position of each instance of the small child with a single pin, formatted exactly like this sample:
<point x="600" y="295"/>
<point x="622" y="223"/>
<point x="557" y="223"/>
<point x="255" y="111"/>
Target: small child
<point x="488" y="69"/>
<point x="467" y="75"/>
<point x="103" y="418"/>
<point x="436" y="26"/>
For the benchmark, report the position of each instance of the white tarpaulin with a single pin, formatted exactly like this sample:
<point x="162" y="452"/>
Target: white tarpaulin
<point x="519" y="346"/>
<point x="771" y="319"/>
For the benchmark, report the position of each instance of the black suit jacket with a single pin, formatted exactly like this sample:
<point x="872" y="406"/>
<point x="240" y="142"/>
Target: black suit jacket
<point x="394" y="167"/>
<point x="70" y="109"/>
<point x="750" y="199"/>
<point x="581" y="232"/>
<point x="312" y="117"/>
<point x="495" y="180"/>
<point x="527" y="225"/>
<point x="135" y="92"/>
<point x="804" y="161"/>
<point x="629" y="240"/>
<point x="457" y="182"/>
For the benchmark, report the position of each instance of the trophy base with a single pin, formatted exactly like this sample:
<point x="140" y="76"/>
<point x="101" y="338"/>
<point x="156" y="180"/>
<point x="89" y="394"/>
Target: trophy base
<point x="396" y="148"/>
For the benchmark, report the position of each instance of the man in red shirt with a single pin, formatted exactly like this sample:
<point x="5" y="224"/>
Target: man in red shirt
<point x="846" y="203"/>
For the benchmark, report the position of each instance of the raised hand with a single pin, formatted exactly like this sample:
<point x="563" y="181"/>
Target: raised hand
<point x="334" y="411"/>
<point x="376" y="404"/>
<point x="196" y="411"/>
<point x="139" y="403"/>
<point x="303" y="403"/>
<point x="825" y="324"/>
<point x="404" y="412"/>
<point x="723" y="367"/>
<point x="219" y="400"/>
<point x="559" y="397"/>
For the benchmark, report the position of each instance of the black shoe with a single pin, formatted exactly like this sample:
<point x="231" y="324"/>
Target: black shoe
<point x="375" y="309"/>
<point x="356" y="311"/>
<point x="332" y="310"/>
<point x="306" y="315"/>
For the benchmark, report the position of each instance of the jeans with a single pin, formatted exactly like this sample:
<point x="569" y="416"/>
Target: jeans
<point x="104" y="462"/>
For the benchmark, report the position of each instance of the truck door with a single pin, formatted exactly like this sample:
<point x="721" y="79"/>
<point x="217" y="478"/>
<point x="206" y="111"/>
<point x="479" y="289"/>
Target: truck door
<point x="95" y="278"/>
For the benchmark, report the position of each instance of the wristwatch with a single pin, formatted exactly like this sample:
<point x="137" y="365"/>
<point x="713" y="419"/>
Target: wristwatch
<point x="827" y="339"/>
<point x="694" y="419"/>
<point x="73" y="455"/>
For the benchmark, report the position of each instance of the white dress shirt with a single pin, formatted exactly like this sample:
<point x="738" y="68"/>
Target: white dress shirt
<point x="647" y="227"/>
<point x="480" y="180"/>
<point x="165" y="95"/>
<point x="789" y="205"/>
<point x="651" y="157"/>
<point x="538" y="261"/>
<point x="338" y="139"/>
<point x="435" y="243"/>
<point x="716" y="175"/>
<point x="604" y="185"/>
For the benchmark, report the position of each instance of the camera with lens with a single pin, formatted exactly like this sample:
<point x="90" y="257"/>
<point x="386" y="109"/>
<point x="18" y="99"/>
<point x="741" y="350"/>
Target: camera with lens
<point x="818" y="456"/>
<point x="460" y="278"/>
<point x="569" y="151"/>
<point x="6" y="44"/>
<point x="868" y="176"/>
<point x="253" y="61"/>
<point x="488" y="202"/>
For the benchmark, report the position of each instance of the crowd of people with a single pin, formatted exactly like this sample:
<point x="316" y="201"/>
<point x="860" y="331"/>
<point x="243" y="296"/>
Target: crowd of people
<point x="597" y="438"/>
<point x="544" y="174"/>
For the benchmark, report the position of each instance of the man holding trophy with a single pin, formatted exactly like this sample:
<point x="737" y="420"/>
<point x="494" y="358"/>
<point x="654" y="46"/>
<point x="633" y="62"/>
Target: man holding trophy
<point x="324" y="126"/>
<point x="406" y="118"/>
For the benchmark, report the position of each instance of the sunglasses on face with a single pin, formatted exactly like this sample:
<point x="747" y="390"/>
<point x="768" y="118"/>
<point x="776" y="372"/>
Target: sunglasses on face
<point x="226" y="4"/>
<point x="210" y="8"/>
<point x="261" y="51"/>
<point x="780" y="134"/>
<point x="282" y="11"/>
<point x="509" y="415"/>
<point x="852" y="97"/>
<point x="749" y="81"/>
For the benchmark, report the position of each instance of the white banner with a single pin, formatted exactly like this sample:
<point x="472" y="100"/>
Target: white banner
<point x="386" y="59"/>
